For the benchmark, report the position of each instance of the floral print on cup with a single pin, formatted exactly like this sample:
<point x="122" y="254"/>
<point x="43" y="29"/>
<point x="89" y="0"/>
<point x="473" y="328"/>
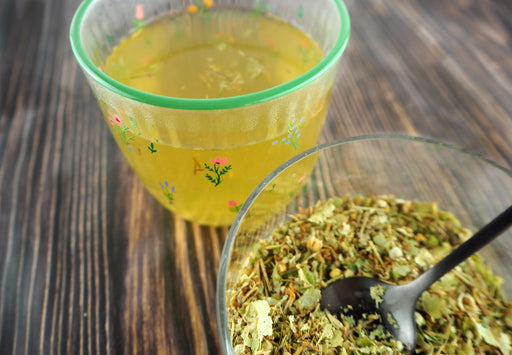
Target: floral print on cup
<point x="218" y="168"/>
<point x="235" y="207"/>
<point x="119" y="128"/>
<point x="293" y="134"/>
<point x="167" y="190"/>
<point x="201" y="6"/>
<point x="139" y="17"/>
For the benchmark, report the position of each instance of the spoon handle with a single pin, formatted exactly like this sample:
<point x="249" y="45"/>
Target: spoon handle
<point x="480" y="239"/>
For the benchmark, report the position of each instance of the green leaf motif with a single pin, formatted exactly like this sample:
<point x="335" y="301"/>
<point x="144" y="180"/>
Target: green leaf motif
<point x="151" y="148"/>
<point x="216" y="179"/>
<point x="300" y="12"/>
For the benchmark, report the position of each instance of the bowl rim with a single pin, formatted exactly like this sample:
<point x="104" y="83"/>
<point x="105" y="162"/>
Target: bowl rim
<point x="222" y="317"/>
<point x="330" y="59"/>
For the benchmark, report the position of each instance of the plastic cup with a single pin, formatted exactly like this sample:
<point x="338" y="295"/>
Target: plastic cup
<point x="201" y="158"/>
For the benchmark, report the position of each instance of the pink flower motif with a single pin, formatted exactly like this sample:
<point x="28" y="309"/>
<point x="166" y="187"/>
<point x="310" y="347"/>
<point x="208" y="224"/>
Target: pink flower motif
<point x="111" y="118"/>
<point x="139" y="12"/>
<point x="219" y="160"/>
<point x="232" y="203"/>
<point x="114" y="119"/>
<point x="117" y="120"/>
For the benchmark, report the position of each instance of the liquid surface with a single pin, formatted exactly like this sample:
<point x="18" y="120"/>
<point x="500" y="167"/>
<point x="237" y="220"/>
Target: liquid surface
<point x="218" y="54"/>
<point x="225" y="53"/>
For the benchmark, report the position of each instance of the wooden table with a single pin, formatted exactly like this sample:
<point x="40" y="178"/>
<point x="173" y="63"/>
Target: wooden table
<point x="91" y="263"/>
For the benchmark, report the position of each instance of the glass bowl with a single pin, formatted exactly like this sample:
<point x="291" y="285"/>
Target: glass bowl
<point x="473" y="188"/>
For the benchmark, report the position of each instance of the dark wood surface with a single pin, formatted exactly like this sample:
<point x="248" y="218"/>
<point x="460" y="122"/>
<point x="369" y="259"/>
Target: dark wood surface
<point x="90" y="263"/>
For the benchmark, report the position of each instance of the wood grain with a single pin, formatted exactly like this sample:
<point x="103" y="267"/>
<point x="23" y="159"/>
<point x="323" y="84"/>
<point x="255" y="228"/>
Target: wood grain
<point x="90" y="263"/>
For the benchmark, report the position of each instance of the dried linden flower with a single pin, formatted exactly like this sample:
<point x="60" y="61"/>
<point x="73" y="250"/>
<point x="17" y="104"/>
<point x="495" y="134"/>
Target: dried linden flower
<point x="276" y="308"/>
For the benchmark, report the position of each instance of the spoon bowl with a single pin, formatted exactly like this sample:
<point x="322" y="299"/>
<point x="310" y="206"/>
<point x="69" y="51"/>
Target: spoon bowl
<point x="395" y="304"/>
<point x="353" y="296"/>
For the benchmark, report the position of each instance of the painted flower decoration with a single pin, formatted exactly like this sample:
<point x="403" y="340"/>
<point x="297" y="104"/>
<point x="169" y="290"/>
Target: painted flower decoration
<point x="200" y="6"/>
<point x="235" y="207"/>
<point x="115" y="119"/>
<point x="192" y="9"/>
<point x="219" y="160"/>
<point x="139" y="12"/>
<point x="120" y="129"/>
<point x="138" y="22"/>
<point x="167" y="190"/>
<point x="294" y="134"/>
<point x="216" y="170"/>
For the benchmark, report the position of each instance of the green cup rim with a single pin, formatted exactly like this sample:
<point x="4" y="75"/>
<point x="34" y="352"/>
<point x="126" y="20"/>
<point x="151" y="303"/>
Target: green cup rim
<point x="207" y="104"/>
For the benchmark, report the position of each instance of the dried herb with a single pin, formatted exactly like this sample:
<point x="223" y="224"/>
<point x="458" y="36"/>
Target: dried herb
<point x="276" y="309"/>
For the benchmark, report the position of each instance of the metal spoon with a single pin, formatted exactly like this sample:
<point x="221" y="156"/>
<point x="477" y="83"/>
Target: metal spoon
<point x="352" y="295"/>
